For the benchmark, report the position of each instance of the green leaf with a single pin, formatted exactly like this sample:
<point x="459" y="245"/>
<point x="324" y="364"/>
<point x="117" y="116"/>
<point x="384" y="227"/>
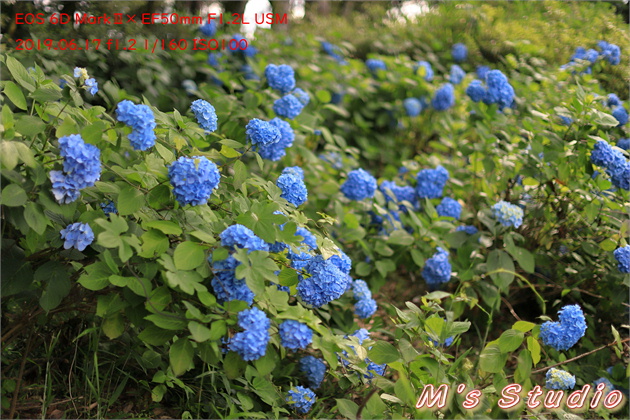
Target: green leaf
<point x="168" y="228"/>
<point x="30" y="125"/>
<point x="14" y="93"/>
<point x="228" y="152"/>
<point x="181" y="355"/>
<point x="167" y="321"/>
<point x="13" y="196"/>
<point x="523" y="326"/>
<point x="113" y="326"/>
<point x="500" y="260"/>
<point x="347" y="408"/>
<point x="510" y="340"/>
<point x="188" y="256"/>
<point x="55" y="277"/>
<point x="155" y="336"/>
<point x="49" y="93"/>
<point x="233" y="365"/>
<point x="323" y="96"/>
<point x="288" y="277"/>
<point x="400" y="237"/>
<point x="129" y="201"/>
<point x="8" y="154"/>
<point x="608" y="245"/>
<point x="524" y="258"/>
<point x="534" y="348"/>
<point x="20" y="74"/>
<point x="34" y="216"/>
<point x="96" y="276"/>
<point x="199" y="332"/>
<point x="492" y="359"/>
<point x="383" y="352"/>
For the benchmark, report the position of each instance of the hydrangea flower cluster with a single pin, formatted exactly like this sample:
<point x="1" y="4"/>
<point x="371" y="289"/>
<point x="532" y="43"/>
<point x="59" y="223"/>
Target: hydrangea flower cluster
<point x="301" y="399"/>
<point x="295" y="335"/>
<point x="497" y="91"/>
<point x="459" y="52"/>
<point x="446" y="342"/>
<point x="333" y="51"/>
<point x="209" y="29"/>
<point x="431" y="182"/>
<point x="608" y="386"/>
<point x="372" y="368"/>
<point x="314" y="369"/>
<point x="193" y="179"/>
<point x="621" y="115"/>
<point x="276" y="151"/>
<point x="469" y="229"/>
<point x="449" y="207"/>
<point x="288" y="106"/>
<point x="281" y="78"/>
<point x="292" y="186"/>
<point x="610" y="52"/>
<point x="225" y="284"/>
<point x="457" y="74"/>
<point x="89" y="83"/>
<point x="624" y="144"/>
<point x="482" y="71"/>
<point x="564" y="120"/>
<point x="302" y="96"/>
<point x="615" y="163"/>
<point x="109" y="208"/>
<point x="437" y="269"/>
<point x="365" y="305"/>
<point x="613" y="100"/>
<point x="424" y="69"/>
<point x="622" y="255"/>
<point x="508" y="214"/>
<point x="251" y="344"/>
<point x="140" y="118"/>
<point x="400" y="194"/>
<point x="564" y="334"/>
<point x="242" y="237"/>
<point x="205" y="114"/>
<point x="77" y="235"/>
<point x="325" y="284"/>
<point x="559" y="379"/>
<point x="262" y="133"/>
<point x="359" y="185"/>
<point x="412" y="106"/>
<point x="81" y="168"/>
<point x="444" y="97"/>
<point x="374" y="65"/>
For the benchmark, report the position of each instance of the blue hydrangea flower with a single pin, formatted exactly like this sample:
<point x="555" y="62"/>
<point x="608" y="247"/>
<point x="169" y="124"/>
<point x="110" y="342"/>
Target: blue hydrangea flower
<point x="621" y="177"/>
<point x="81" y="160"/>
<point x="248" y="72"/>
<point x="337" y="97"/>
<point x="406" y="193"/>
<point x="365" y="308"/>
<point x="91" y="85"/>
<point x="250" y="344"/>
<point x="374" y="368"/>
<point x="565" y="120"/>
<point x="499" y="90"/>
<point x="622" y="255"/>
<point x="193" y="179"/>
<point x="261" y="132"/>
<point x="437" y="269"/>
<point x="341" y="261"/>
<point x="446" y="343"/>
<point x="613" y="100"/>
<point x="591" y="55"/>
<point x="280" y="77"/>
<point x="109" y="208"/>
<point x="459" y="52"/>
<point x="482" y="71"/>
<point x="77" y="235"/>
<point x="253" y="319"/>
<point x="294" y="170"/>
<point x="243" y="237"/>
<point x="423" y="68"/>
<point x="309" y="239"/>
<point x="288" y="106"/>
<point x="213" y="59"/>
<point x="604" y="155"/>
<point x="624" y="144"/>
<point x="276" y="151"/>
<point x="621" y="115"/>
<point x="374" y="65"/>
<point x="333" y="51"/>
<point x="564" y="334"/>
<point x="611" y="52"/>
<point x="80" y="71"/>
<point x="412" y="106"/>
<point x="301" y="399"/>
<point x="64" y="187"/>
<point x="302" y="96"/>
<point x="205" y="114"/>
<point x="293" y="189"/>
<point x="359" y="185"/>
<point x="314" y="369"/>
<point x="559" y="379"/>
<point x="225" y="284"/>
<point x="325" y="284"/>
<point x="295" y="335"/>
<point x="431" y="182"/>
<point x="449" y="208"/>
<point x="333" y="158"/>
<point x="209" y="29"/>
<point x="361" y="290"/>
<point x="142" y="121"/>
<point x="508" y="214"/>
<point x="608" y="386"/>
<point x="457" y="74"/>
<point x="469" y="229"/>
<point x="444" y="97"/>
<point x="476" y="90"/>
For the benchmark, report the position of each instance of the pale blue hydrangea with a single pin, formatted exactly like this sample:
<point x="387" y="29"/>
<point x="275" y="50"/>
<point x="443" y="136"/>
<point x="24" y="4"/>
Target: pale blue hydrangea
<point x="446" y="343"/>
<point x="301" y="95"/>
<point x="622" y="255"/>
<point x="77" y="235"/>
<point x="288" y="106"/>
<point x="293" y="189"/>
<point x="449" y="207"/>
<point x="359" y="185"/>
<point x="457" y="74"/>
<point x="205" y="114"/>
<point x="325" y="284"/>
<point x="81" y="160"/>
<point x="295" y="335"/>
<point x="610" y="52"/>
<point x="240" y="236"/>
<point x="276" y="151"/>
<point x="341" y="261"/>
<point x="193" y="179"/>
<point x="431" y="182"/>
<point x="281" y="78"/>
<point x="225" y="284"/>
<point x="374" y="65"/>
<point x="437" y="269"/>
<point x="142" y="121"/>
<point x="508" y="214"/>
<point x="361" y="290"/>
<point x="469" y="229"/>
<point x="482" y="71"/>
<point x="559" y="379"/>
<point x="189" y="86"/>
<point x="261" y="132"/>
<point x="301" y="399"/>
<point x="459" y="52"/>
<point x="564" y="334"/>
<point x="413" y="107"/>
<point x="621" y="115"/>
<point x="91" y="85"/>
<point x="65" y="188"/>
<point x="365" y="308"/>
<point x="608" y="386"/>
<point x="444" y="97"/>
<point x="423" y="68"/>
<point x="314" y="369"/>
